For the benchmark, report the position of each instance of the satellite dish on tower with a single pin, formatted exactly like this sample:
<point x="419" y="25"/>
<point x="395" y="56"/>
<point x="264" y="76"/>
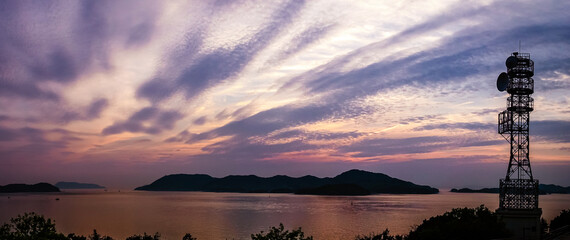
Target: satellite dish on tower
<point x="511" y="62"/>
<point x="502" y="81"/>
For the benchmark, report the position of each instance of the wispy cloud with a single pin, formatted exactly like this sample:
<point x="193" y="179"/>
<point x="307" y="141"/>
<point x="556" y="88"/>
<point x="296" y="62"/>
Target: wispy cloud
<point x="149" y="120"/>
<point x="235" y="85"/>
<point x="218" y="65"/>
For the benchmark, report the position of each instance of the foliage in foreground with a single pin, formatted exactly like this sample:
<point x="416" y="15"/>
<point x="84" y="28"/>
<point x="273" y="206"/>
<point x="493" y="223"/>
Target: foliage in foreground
<point x="280" y="233"/>
<point x="561" y="220"/>
<point x="30" y="226"/>
<point x="94" y="236"/>
<point x="382" y="236"/>
<point x="459" y="223"/>
<point x="543" y="227"/>
<point x="156" y="236"/>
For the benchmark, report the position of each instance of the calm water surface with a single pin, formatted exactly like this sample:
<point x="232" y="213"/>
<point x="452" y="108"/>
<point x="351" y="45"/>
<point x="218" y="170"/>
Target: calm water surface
<point x="236" y="215"/>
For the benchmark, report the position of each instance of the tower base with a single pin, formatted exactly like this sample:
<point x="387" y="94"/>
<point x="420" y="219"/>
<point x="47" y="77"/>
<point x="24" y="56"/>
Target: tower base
<point x="523" y="223"/>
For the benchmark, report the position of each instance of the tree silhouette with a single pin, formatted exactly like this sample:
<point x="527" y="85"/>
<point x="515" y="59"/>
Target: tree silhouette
<point x="561" y="220"/>
<point x="156" y="236"/>
<point x="280" y="233"/>
<point x="461" y="223"/>
<point x="188" y="236"/>
<point x="30" y="226"/>
<point x="385" y="235"/>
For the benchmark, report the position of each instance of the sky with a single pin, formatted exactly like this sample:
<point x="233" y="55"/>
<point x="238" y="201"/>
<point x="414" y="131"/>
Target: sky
<point x="120" y="93"/>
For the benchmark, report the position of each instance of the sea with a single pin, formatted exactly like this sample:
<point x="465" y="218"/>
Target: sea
<point x="206" y="215"/>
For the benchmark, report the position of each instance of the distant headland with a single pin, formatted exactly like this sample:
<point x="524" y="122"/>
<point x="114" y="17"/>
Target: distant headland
<point x="77" y="185"/>
<point x="353" y="182"/>
<point x="542" y="188"/>
<point x="39" y="187"/>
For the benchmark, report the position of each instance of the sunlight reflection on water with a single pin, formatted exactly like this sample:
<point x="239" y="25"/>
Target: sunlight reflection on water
<point x="235" y="215"/>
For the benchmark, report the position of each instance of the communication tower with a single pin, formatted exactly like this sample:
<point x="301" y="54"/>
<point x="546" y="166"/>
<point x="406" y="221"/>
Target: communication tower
<point x="518" y="196"/>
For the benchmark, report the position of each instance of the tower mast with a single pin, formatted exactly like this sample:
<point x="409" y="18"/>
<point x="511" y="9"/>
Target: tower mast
<point x="518" y="194"/>
<point x="518" y="190"/>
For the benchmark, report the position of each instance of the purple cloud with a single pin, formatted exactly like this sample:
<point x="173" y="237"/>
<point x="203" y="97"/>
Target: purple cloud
<point x="93" y="111"/>
<point x="96" y="108"/>
<point x="7" y="134"/>
<point x="144" y="114"/>
<point x="158" y="120"/>
<point x="167" y="119"/>
<point x="181" y="137"/>
<point x="303" y="40"/>
<point x="216" y="66"/>
<point x="426" y="144"/>
<point x="473" y="126"/>
<point x="271" y="120"/>
<point x="201" y="120"/>
<point x="12" y="88"/>
<point x="34" y="143"/>
<point x="550" y="130"/>
<point x="47" y="48"/>
<point x="458" y="56"/>
<point x="311" y="135"/>
<point x="33" y="51"/>
<point x="120" y="127"/>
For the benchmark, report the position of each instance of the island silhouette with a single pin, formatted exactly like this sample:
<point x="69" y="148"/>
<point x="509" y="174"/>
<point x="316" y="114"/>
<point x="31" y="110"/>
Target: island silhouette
<point x="38" y="187"/>
<point x="542" y="189"/>
<point x="352" y="182"/>
<point x="77" y="185"/>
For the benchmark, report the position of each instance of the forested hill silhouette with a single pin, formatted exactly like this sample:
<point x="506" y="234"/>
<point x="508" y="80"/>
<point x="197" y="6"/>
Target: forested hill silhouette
<point x="353" y="182"/>
<point x="77" y="185"/>
<point x="542" y="188"/>
<point x="39" y="187"/>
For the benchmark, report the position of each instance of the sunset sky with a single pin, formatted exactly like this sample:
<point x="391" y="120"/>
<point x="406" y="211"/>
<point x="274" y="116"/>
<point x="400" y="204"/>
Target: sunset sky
<point x="120" y="93"/>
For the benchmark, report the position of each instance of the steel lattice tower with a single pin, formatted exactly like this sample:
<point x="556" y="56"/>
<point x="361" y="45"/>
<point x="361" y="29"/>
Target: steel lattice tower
<point x="518" y="190"/>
